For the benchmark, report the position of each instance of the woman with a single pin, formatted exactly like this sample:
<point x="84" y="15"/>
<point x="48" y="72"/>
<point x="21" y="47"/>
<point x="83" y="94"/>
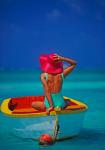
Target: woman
<point x="52" y="80"/>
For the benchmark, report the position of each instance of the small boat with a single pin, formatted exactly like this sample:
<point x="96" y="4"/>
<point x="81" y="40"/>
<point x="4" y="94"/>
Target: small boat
<point x="70" y="118"/>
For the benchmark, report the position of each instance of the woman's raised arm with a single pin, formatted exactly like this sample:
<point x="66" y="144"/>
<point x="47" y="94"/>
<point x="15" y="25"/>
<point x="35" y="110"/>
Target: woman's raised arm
<point x="72" y="63"/>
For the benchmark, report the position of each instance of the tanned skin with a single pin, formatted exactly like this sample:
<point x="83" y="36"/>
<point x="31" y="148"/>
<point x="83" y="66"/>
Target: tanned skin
<point x="54" y="83"/>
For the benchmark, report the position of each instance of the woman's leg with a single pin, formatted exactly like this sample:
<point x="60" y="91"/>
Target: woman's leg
<point x="41" y="106"/>
<point x="38" y="105"/>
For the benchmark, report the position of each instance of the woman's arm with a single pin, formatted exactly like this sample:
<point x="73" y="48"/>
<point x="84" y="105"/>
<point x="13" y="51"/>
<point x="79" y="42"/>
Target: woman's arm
<point x="70" y="61"/>
<point x="46" y="89"/>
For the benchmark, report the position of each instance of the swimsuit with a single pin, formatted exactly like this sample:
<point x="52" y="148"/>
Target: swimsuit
<point x="57" y="98"/>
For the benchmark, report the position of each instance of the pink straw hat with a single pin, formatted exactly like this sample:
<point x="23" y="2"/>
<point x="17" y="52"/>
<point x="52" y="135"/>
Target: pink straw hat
<point x="48" y="64"/>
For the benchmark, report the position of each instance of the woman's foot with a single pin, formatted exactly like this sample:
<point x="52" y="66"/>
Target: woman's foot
<point x="57" y="108"/>
<point x="48" y="110"/>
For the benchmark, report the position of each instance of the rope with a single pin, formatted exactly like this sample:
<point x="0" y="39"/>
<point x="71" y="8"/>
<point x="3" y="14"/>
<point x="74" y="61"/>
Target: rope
<point x="56" y="128"/>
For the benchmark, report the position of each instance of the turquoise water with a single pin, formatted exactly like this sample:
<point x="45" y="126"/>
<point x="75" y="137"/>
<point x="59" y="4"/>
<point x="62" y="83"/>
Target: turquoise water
<point x="86" y="86"/>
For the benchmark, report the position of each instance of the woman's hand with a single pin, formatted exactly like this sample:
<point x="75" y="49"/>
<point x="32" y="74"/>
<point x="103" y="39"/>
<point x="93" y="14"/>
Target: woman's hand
<point x="57" y="58"/>
<point x="60" y="58"/>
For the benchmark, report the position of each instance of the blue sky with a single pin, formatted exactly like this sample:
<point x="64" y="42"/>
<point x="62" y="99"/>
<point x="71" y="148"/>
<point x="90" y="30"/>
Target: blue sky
<point x="72" y="28"/>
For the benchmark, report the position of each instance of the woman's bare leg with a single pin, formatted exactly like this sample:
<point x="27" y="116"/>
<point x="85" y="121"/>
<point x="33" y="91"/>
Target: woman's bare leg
<point x="38" y="105"/>
<point x="41" y="106"/>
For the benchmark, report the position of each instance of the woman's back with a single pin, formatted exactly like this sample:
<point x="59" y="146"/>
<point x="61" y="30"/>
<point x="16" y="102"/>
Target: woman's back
<point x="54" y="82"/>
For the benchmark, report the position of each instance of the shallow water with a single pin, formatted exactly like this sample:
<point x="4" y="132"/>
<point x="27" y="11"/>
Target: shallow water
<point x="86" y="86"/>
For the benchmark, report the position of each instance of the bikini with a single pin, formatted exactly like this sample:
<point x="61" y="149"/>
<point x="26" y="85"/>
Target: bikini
<point x="57" y="98"/>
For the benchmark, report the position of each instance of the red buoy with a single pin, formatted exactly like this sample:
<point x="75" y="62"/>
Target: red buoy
<point x="45" y="139"/>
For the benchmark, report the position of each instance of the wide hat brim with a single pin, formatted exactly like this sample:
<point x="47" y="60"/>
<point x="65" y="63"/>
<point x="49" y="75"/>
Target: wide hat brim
<point x="49" y="66"/>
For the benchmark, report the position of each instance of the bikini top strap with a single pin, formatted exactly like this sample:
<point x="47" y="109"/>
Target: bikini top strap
<point x="62" y="75"/>
<point x="46" y="75"/>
